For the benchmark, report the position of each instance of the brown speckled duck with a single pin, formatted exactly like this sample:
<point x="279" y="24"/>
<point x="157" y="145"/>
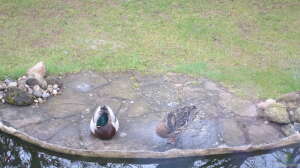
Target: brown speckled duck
<point x="173" y="122"/>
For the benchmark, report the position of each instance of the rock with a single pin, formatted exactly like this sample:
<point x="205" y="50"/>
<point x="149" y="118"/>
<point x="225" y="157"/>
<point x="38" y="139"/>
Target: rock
<point x="37" y="91"/>
<point x="55" y="86"/>
<point x="1" y="94"/>
<point x="288" y="129"/>
<point x="29" y="90"/>
<point x="45" y="95"/>
<point x="32" y="82"/>
<point x="16" y="96"/>
<point x="22" y="84"/>
<point x="37" y="70"/>
<point x="290" y="97"/>
<point x="12" y="84"/>
<point x="276" y="112"/>
<point x="297" y="127"/>
<point x="50" y="88"/>
<point x="54" y="81"/>
<point x="266" y="104"/>
<point x="297" y="115"/>
<point x="40" y="100"/>
<point x="54" y="92"/>
<point x="2" y="86"/>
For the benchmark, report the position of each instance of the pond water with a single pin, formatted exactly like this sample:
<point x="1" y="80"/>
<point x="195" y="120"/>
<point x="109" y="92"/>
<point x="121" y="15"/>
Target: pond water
<point x="15" y="153"/>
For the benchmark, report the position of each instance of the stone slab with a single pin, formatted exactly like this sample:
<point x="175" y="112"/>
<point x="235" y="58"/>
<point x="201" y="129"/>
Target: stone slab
<point x="224" y="122"/>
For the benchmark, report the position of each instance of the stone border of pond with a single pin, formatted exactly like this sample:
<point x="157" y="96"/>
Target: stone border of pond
<point x="173" y="153"/>
<point x="222" y="123"/>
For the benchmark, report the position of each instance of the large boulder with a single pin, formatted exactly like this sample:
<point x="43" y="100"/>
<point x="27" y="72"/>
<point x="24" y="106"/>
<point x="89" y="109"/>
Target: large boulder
<point x="38" y="72"/>
<point x="16" y="96"/>
<point x="293" y="97"/>
<point x="276" y="112"/>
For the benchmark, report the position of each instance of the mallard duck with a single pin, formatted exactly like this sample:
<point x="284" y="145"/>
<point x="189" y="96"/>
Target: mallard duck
<point x="104" y="123"/>
<point x="171" y="124"/>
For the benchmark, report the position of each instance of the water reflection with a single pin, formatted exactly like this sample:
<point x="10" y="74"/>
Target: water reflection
<point x="15" y="154"/>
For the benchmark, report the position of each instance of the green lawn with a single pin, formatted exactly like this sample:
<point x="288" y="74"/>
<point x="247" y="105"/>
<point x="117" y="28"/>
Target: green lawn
<point x="250" y="45"/>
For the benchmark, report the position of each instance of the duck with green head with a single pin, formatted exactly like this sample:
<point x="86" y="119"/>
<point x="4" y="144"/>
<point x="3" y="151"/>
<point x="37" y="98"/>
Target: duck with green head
<point x="104" y="124"/>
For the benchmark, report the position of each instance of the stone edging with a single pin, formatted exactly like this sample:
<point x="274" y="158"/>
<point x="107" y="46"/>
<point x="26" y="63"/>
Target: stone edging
<point x="174" y="153"/>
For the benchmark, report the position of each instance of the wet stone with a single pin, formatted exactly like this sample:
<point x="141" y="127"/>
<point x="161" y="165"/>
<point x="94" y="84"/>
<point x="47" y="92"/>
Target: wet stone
<point x="139" y="101"/>
<point x="199" y="134"/>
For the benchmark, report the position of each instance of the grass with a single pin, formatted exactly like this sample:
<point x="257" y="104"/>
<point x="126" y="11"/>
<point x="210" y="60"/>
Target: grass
<point x="251" y="45"/>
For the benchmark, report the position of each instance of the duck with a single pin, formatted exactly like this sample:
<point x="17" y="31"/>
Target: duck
<point x="173" y="122"/>
<point x="104" y="124"/>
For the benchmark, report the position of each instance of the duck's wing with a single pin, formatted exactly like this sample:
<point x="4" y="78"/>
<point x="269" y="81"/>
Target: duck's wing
<point x="183" y="115"/>
<point x="113" y="118"/>
<point x="93" y="123"/>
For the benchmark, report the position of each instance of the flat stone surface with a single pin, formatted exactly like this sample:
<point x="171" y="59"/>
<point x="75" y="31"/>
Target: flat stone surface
<point x="140" y="101"/>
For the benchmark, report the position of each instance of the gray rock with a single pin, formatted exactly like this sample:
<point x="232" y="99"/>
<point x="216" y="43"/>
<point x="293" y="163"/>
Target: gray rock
<point x="290" y="97"/>
<point x="37" y="91"/>
<point x="16" y="96"/>
<point x="32" y="82"/>
<point x="29" y="90"/>
<point x="50" y="88"/>
<point x="1" y="94"/>
<point x="45" y="95"/>
<point x="22" y="84"/>
<point x="297" y="127"/>
<point x="2" y="86"/>
<point x="288" y="129"/>
<point x="54" y="81"/>
<point x="276" y="112"/>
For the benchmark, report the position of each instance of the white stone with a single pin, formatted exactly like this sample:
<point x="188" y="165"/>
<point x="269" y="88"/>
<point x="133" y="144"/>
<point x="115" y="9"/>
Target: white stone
<point x="266" y="104"/>
<point x="54" y="92"/>
<point x="12" y="84"/>
<point x="37" y="70"/>
<point x="40" y="100"/>
<point x="55" y="86"/>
